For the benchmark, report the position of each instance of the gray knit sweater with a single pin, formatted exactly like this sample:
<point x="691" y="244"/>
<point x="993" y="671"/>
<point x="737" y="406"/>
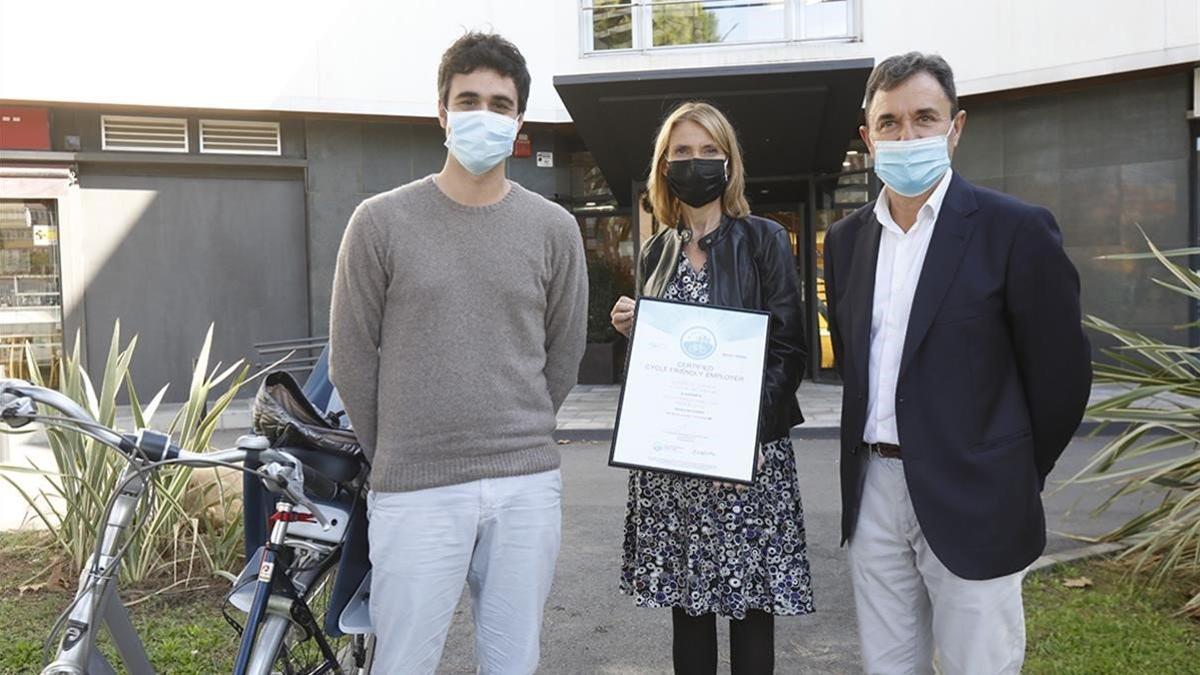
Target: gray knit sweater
<point x="456" y="333"/>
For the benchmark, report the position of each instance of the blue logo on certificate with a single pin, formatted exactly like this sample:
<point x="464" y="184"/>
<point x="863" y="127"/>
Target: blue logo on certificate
<point x="698" y="342"/>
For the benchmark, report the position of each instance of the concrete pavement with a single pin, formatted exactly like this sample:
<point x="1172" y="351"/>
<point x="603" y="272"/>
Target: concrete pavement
<point x="591" y="628"/>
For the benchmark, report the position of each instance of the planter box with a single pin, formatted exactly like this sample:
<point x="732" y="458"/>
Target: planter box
<point x="603" y="363"/>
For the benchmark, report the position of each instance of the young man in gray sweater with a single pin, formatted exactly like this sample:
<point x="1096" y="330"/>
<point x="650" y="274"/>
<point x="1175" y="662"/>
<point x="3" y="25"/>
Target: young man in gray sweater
<point x="458" y="322"/>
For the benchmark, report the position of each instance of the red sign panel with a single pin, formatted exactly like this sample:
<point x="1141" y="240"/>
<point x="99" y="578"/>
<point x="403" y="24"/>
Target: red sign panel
<point x="24" y="129"/>
<point x="523" y="147"/>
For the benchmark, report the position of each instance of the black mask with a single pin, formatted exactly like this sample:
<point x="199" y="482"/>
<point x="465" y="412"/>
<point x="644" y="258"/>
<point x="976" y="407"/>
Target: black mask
<point x="697" y="182"/>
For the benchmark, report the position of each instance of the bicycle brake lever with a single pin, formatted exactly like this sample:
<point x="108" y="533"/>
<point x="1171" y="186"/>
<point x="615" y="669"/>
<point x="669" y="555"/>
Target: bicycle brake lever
<point x="18" y="412"/>
<point x="291" y="479"/>
<point x="304" y="501"/>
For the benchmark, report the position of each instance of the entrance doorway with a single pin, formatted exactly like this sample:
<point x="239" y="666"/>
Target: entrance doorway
<point x="827" y="199"/>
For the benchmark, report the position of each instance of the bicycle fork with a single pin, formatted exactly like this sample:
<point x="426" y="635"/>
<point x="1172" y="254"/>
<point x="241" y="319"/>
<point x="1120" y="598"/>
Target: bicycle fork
<point x="271" y="584"/>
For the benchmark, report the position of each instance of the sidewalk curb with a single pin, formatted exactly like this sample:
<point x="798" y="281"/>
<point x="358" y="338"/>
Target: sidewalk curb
<point x="235" y="418"/>
<point x="803" y="432"/>
<point x="1075" y="555"/>
<point x="238" y="418"/>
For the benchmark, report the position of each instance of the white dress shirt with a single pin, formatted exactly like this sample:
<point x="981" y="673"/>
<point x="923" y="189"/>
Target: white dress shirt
<point x="901" y="257"/>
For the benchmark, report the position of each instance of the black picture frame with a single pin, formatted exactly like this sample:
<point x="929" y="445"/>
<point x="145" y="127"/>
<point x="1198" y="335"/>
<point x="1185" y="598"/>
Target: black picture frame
<point x="625" y="383"/>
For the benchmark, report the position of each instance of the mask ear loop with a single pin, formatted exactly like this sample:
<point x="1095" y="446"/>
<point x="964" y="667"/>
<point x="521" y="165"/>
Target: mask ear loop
<point x="951" y="129"/>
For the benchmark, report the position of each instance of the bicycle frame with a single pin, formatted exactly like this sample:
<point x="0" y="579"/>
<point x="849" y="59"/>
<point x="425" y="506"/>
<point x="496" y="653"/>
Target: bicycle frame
<point x="96" y="600"/>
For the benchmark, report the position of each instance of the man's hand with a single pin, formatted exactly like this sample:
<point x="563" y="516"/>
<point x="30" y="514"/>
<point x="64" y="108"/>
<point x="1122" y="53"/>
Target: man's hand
<point x="622" y="315"/>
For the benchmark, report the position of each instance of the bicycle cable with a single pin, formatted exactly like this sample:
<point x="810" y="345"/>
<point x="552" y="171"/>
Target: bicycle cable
<point x="95" y="574"/>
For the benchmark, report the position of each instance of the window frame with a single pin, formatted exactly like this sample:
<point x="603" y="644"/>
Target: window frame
<point x="642" y="29"/>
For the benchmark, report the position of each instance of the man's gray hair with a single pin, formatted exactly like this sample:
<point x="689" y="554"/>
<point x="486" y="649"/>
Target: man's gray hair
<point x="894" y="70"/>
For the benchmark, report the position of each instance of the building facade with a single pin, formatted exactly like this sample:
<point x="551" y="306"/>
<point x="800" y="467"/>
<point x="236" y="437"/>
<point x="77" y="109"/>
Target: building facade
<point x="176" y="171"/>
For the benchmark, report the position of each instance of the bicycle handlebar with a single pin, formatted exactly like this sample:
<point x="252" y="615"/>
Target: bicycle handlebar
<point x="283" y="469"/>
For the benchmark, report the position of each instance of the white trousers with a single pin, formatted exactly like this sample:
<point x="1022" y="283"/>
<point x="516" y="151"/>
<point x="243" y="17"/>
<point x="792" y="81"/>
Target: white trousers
<point x="499" y="535"/>
<point x="909" y="605"/>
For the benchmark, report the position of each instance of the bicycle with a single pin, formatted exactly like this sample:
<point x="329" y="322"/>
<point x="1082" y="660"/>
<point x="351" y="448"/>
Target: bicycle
<point x="294" y="568"/>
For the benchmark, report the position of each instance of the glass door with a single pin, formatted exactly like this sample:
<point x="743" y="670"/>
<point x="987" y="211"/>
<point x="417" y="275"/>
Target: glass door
<point x="834" y="197"/>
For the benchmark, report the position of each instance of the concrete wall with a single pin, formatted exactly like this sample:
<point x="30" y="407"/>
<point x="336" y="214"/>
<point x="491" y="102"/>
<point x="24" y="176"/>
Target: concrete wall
<point x="169" y="251"/>
<point x="380" y="57"/>
<point x="1105" y="160"/>
<point x="349" y="161"/>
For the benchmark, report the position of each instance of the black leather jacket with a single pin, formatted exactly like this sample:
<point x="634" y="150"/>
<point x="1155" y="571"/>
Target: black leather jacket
<point x="751" y="266"/>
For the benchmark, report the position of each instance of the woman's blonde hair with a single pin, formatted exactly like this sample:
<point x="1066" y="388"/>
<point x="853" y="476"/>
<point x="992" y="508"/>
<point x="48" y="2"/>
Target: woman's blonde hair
<point x="666" y="206"/>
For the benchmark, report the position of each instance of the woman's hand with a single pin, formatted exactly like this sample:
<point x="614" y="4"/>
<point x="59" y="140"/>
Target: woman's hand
<point x="622" y="315"/>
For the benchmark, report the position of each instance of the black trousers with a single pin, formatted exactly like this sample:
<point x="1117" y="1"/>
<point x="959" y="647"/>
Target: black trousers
<point x="751" y="643"/>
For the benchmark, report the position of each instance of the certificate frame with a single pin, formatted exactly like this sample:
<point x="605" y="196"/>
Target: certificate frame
<point x="620" y="449"/>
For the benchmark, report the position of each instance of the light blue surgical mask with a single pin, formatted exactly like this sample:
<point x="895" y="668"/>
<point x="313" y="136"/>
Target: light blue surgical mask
<point x="910" y="168"/>
<point x="480" y="139"/>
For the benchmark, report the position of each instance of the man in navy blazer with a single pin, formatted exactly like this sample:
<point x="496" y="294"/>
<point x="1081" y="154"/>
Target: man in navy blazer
<point x="955" y="321"/>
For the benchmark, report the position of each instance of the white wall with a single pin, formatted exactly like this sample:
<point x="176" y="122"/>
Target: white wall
<point x="380" y="57"/>
<point x="360" y="56"/>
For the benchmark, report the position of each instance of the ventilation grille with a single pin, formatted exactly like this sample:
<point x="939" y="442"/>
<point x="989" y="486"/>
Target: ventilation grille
<point x="239" y="138"/>
<point x="144" y="134"/>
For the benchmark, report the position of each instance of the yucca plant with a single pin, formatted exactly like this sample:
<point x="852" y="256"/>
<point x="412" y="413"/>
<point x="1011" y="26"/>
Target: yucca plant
<point x="175" y="533"/>
<point x="1159" y="410"/>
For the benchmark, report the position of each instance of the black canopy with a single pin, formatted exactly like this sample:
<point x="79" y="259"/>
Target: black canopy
<point x="793" y="119"/>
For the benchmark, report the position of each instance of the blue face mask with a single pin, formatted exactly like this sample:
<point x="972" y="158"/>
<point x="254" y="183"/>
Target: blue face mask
<point x="480" y="139"/>
<point x="910" y="168"/>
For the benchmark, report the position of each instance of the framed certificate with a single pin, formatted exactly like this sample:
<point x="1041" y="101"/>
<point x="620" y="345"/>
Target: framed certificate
<point x="693" y="391"/>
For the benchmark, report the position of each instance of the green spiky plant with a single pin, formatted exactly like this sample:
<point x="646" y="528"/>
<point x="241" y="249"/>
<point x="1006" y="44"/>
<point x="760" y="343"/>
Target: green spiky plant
<point x="1159" y="409"/>
<point x="176" y="534"/>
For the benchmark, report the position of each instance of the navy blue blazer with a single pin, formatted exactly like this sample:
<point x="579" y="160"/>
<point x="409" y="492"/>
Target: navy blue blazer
<point x="994" y="375"/>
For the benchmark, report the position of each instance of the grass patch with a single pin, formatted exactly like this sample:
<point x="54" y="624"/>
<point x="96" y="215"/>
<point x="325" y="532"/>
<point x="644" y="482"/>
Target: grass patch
<point x="183" y="630"/>
<point x="1117" y="625"/>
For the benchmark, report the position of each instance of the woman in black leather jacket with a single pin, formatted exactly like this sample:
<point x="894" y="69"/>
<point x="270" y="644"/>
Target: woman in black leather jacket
<point x="699" y="547"/>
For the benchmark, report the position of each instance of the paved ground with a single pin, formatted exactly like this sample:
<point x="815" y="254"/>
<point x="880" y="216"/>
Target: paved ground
<point x="594" y="407"/>
<point x="591" y="628"/>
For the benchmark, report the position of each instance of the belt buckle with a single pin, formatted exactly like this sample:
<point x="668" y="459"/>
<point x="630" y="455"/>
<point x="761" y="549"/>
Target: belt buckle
<point x="883" y="450"/>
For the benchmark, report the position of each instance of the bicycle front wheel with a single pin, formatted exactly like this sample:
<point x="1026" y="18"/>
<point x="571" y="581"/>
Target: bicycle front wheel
<point x="291" y="645"/>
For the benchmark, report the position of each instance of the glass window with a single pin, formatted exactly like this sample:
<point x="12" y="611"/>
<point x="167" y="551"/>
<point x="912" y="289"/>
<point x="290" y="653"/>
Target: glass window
<point x="716" y="22"/>
<point x="611" y="23"/>
<point x="607" y="228"/>
<point x="837" y="197"/>
<point x="607" y="231"/>
<point x="824" y="19"/>
<point x="30" y="286"/>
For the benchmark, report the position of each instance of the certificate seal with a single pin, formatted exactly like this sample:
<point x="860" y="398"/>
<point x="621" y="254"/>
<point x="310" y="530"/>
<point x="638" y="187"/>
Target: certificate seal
<point x="698" y="342"/>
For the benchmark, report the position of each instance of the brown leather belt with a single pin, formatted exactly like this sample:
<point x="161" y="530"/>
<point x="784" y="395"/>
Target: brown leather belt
<point x="884" y="449"/>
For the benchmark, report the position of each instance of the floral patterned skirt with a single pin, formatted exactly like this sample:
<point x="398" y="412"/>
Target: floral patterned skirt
<point x="709" y="549"/>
